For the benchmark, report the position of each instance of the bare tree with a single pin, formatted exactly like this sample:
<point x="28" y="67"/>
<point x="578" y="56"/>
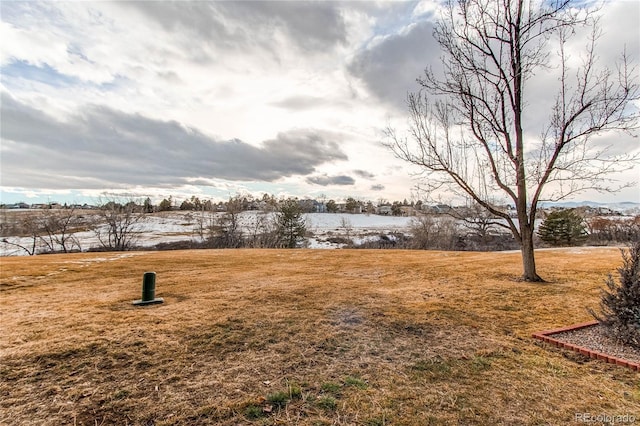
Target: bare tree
<point x="264" y="231"/>
<point x="478" y="220"/>
<point x="433" y="232"/>
<point x="347" y="227"/>
<point x="471" y="126"/>
<point x="229" y="224"/>
<point x="28" y="227"/>
<point x="58" y="228"/>
<point x="205" y="219"/>
<point x="120" y="225"/>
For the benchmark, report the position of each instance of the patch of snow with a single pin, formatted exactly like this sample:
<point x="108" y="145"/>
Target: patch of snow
<point x="180" y="226"/>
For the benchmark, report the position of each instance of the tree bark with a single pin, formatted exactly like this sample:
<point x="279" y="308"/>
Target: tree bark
<point x="528" y="255"/>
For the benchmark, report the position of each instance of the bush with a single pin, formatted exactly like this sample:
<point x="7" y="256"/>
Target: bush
<point x="433" y="233"/>
<point x="613" y="230"/>
<point x="620" y="304"/>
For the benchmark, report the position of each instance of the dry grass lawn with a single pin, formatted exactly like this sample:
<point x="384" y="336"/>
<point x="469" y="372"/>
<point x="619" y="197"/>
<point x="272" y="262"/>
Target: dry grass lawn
<point x="304" y="337"/>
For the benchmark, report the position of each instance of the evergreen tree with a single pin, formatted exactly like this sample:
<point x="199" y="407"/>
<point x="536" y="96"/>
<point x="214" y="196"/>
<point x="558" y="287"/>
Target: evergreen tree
<point x="332" y="207"/>
<point x="396" y="209"/>
<point x="291" y="224"/>
<point x="620" y="304"/>
<point x="563" y="228"/>
<point x="148" y="206"/>
<point x="351" y="205"/>
<point x="187" y="205"/>
<point x="165" y="205"/>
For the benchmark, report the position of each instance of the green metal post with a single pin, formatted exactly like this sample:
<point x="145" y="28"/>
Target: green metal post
<point x="148" y="286"/>
<point x="148" y="290"/>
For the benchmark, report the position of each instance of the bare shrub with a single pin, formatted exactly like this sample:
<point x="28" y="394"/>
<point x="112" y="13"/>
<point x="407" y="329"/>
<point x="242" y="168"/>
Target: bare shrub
<point x="48" y="231"/>
<point x="264" y="232"/>
<point x="229" y="233"/>
<point x="26" y="226"/>
<point x="59" y="227"/>
<point x="120" y="225"/>
<point x="433" y="232"/>
<point x="604" y="231"/>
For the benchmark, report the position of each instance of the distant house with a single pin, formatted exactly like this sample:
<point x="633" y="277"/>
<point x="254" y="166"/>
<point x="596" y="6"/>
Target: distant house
<point x="384" y="210"/>
<point x="436" y="209"/>
<point x="256" y="205"/>
<point x="84" y="206"/>
<point x="407" y="211"/>
<point x="319" y="207"/>
<point x="46" y="206"/>
<point x="18" y="206"/>
<point x="442" y="208"/>
<point x="307" y="206"/>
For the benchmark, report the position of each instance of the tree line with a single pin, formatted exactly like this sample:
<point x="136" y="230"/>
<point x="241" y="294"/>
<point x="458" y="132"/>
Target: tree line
<point x="269" y="202"/>
<point x="118" y="226"/>
<point x="560" y="228"/>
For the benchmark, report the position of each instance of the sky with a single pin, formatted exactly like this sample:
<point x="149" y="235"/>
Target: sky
<point x="213" y="99"/>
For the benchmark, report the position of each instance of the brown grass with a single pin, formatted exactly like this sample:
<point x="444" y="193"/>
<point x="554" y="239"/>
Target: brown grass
<point x="301" y="337"/>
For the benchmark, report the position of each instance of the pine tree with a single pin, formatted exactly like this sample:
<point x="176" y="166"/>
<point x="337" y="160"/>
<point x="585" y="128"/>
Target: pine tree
<point x="563" y="228"/>
<point x="148" y="206"/>
<point x="620" y="304"/>
<point x="332" y="207"/>
<point x="291" y="224"/>
<point x="165" y="205"/>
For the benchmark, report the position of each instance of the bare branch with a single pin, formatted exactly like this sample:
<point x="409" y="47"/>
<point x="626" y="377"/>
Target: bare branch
<point x="466" y="130"/>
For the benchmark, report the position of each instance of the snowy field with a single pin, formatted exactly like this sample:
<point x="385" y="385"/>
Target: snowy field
<point x="358" y="227"/>
<point x="180" y="226"/>
<point x="327" y="230"/>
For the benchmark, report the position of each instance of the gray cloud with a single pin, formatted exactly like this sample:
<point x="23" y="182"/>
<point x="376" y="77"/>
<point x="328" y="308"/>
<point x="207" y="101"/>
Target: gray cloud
<point x="390" y="67"/>
<point x="377" y="187"/>
<point x="364" y="174"/>
<point x="325" y="180"/>
<point x="312" y="26"/>
<point x="297" y="103"/>
<point x="102" y="147"/>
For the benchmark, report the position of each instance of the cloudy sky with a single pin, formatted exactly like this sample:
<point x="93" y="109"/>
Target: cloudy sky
<point x="215" y="98"/>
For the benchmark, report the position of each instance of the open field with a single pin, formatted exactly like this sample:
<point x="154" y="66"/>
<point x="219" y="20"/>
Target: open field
<point x="306" y="337"/>
<point x="167" y="227"/>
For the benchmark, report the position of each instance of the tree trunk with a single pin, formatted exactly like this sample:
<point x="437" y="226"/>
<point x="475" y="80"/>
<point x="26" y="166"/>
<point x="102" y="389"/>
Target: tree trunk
<point x="528" y="258"/>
